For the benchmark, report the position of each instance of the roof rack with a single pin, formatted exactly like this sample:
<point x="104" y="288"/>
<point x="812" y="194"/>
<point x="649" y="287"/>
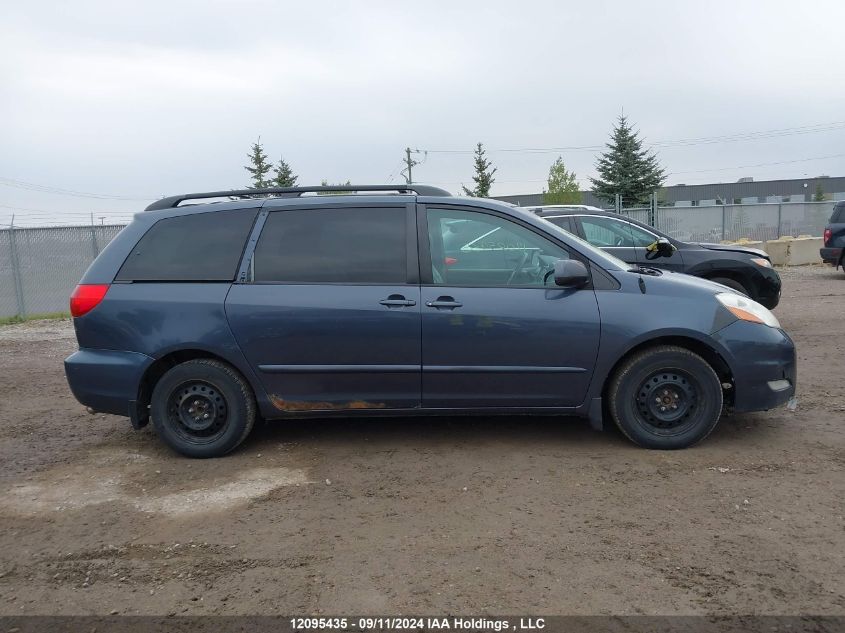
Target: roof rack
<point x="294" y="192"/>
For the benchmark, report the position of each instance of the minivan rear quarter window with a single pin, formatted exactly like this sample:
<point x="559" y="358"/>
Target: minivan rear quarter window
<point x="337" y="245"/>
<point x="197" y="247"/>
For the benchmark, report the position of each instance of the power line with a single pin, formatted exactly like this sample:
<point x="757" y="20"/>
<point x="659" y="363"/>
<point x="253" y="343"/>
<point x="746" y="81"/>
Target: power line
<point x="395" y="171"/>
<point x="780" y="162"/>
<point x="30" y="186"/>
<point x="804" y="129"/>
<point x="676" y="173"/>
<point x="62" y="212"/>
<point x="705" y="140"/>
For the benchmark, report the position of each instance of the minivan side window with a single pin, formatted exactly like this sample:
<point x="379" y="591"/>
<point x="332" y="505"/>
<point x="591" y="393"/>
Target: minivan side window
<point x="605" y="232"/>
<point x="339" y="245"/>
<point x="196" y="247"/>
<point x="482" y="250"/>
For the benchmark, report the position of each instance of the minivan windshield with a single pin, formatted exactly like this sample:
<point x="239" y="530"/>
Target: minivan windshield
<point x="590" y="250"/>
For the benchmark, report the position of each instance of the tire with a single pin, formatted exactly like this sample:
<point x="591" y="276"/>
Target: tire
<point x="689" y="390"/>
<point x="731" y="283"/>
<point x="202" y="408"/>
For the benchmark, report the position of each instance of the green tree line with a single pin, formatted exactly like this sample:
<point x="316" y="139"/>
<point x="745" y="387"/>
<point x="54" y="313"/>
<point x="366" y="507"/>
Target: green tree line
<point x="626" y="168"/>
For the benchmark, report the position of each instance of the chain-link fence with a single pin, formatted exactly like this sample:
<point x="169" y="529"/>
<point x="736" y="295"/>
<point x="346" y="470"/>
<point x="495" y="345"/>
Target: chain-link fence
<point x="757" y="222"/>
<point x="39" y="267"/>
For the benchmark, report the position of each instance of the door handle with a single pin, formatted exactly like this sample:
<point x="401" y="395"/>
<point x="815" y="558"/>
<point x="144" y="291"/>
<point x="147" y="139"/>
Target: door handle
<point x="397" y="301"/>
<point x="444" y="302"/>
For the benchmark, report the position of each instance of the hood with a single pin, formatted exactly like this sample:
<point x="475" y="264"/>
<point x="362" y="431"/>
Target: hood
<point x="671" y="282"/>
<point x="736" y="248"/>
<point x="676" y="280"/>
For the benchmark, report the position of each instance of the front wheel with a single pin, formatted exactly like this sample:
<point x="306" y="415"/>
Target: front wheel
<point x="665" y="397"/>
<point x="202" y="408"/>
<point x="732" y="284"/>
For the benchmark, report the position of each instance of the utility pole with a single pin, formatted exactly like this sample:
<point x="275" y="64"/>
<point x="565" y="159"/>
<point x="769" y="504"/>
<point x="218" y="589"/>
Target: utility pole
<point x="16" y="269"/>
<point x="94" y="246"/>
<point x="652" y="209"/>
<point x="409" y="164"/>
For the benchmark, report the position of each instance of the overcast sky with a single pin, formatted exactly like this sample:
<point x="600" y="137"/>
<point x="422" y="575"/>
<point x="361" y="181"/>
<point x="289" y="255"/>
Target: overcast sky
<point x="144" y="99"/>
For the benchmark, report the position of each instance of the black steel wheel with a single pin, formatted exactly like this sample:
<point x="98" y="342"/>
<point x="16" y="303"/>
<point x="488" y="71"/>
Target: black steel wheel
<point x="203" y="408"/>
<point x="196" y="410"/>
<point x="665" y="397"/>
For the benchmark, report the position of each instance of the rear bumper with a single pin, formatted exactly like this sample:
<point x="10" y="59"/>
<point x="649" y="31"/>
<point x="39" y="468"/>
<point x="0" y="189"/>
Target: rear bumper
<point x="763" y="362"/>
<point x="106" y="380"/>
<point x="831" y="255"/>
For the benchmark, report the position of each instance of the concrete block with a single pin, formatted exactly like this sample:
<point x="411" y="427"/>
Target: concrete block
<point x="778" y="251"/>
<point x="805" y="250"/>
<point x="789" y="251"/>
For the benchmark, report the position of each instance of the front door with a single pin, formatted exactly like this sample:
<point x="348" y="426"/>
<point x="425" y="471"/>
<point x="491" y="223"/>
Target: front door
<point x="330" y="318"/>
<point x="496" y="331"/>
<point x="625" y="240"/>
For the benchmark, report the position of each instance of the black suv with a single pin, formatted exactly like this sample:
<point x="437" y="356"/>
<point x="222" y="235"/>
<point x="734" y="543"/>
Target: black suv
<point x="834" y="237"/>
<point x="748" y="270"/>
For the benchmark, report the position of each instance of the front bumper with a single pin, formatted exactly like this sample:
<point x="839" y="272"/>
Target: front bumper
<point x="106" y="380"/>
<point x="763" y="362"/>
<point x="768" y="288"/>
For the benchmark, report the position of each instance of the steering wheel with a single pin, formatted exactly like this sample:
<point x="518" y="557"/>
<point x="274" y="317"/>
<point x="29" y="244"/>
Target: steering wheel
<point x="526" y="255"/>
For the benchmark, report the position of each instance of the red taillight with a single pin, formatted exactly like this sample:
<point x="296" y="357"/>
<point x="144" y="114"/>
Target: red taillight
<point x="86" y="297"/>
<point x="827" y="235"/>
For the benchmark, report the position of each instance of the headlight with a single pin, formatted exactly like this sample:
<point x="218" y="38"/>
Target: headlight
<point x="746" y="309"/>
<point x="762" y="261"/>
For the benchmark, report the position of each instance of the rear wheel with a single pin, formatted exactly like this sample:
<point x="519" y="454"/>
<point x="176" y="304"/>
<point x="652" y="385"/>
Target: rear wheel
<point x="665" y="397"/>
<point x="731" y="283"/>
<point x="202" y="408"/>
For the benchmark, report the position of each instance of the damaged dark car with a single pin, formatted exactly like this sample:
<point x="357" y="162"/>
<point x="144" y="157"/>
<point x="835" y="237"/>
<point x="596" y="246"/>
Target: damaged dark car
<point x="744" y="269"/>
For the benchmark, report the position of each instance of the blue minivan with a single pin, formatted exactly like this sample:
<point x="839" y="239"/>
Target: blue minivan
<point x="395" y="301"/>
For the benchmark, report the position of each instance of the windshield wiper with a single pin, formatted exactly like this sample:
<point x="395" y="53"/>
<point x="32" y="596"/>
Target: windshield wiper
<point x="646" y="270"/>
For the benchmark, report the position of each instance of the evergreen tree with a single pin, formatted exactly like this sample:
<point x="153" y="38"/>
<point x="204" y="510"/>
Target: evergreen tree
<point x="283" y="175"/>
<point x="325" y="183"/>
<point x="483" y="175"/>
<point x="819" y="195"/>
<point x="259" y="167"/>
<point x="563" y="185"/>
<point x="626" y="168"/>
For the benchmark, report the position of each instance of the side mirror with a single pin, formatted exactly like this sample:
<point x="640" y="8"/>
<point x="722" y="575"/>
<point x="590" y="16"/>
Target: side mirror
<point x="661" y="247"/>
<point x="570" y="273"/>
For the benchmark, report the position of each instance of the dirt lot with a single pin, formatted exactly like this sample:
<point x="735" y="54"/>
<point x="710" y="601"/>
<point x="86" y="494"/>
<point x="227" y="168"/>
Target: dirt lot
<point x="507" y="515"/>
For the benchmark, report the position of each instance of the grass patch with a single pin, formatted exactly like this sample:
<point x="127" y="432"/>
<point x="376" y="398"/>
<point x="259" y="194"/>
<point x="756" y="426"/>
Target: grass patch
<point x="32" y="317"/>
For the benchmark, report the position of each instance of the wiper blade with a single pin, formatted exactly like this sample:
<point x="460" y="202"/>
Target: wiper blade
<point x="646" y="270"/>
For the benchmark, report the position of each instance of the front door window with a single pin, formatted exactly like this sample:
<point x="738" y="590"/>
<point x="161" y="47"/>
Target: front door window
<point x="610" y="232"/>
<point x="481" y="250"/>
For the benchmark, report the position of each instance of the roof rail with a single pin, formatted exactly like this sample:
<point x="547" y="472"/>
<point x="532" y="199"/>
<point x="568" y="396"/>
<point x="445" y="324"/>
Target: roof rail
<point x="294" y="192"/>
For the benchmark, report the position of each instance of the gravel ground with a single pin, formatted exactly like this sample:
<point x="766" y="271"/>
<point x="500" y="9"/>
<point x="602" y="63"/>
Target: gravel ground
<point x="506" y="515"/>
